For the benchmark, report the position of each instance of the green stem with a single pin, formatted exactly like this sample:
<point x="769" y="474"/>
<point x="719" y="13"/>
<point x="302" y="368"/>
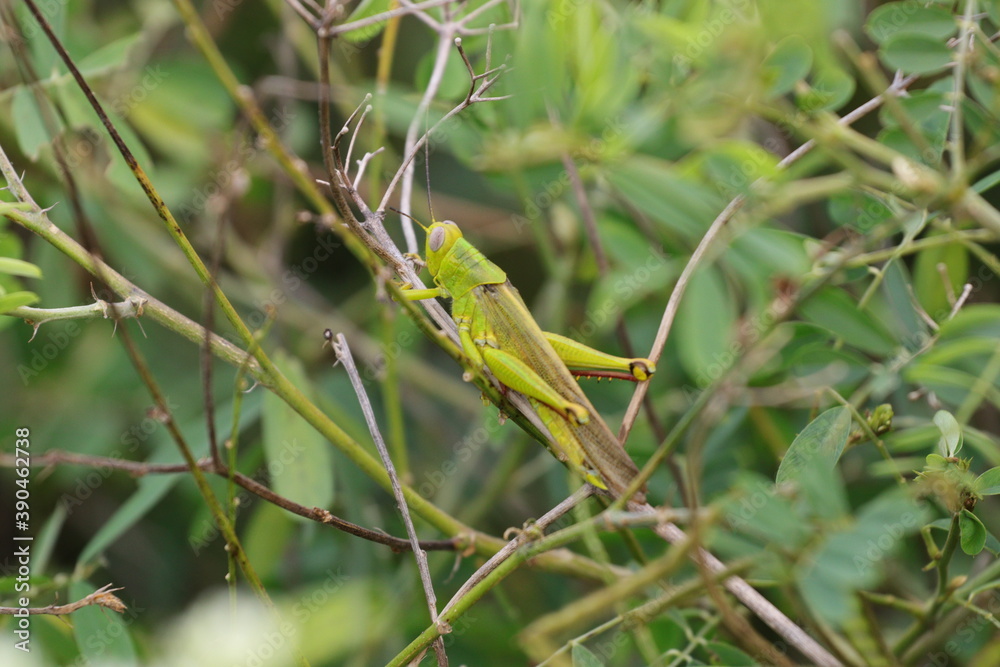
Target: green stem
<point x="455" y="610"/>
<point x="941" y="594"/>
<point x="98" y="309"/>
<point x="918" y="245"/>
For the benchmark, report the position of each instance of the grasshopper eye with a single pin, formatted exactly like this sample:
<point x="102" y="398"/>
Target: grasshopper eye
<point x="436" y="239"/>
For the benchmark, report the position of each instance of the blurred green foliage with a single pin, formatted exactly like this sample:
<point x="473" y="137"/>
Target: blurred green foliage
<point x="862" y="273"/>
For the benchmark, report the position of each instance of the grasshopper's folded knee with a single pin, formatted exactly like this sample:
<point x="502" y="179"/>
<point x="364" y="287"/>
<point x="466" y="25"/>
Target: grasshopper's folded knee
<point x="577" y="413"/>
<point x="642" y="369"/>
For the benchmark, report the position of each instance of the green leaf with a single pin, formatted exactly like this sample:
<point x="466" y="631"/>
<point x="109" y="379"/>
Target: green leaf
<point x="755" y="507"/>
<point x="977" y="319"/>
<point x="988" y="484"/>
<point x="267" y="538"/>
<point x="820" y="443"/>
<point x="176" y="105"/>
<point x="859" y="209"/>
<point x="837" y="311"/>
<point x="726" y="654"/>
<point x="929" y="112"/>
<point x="910" y="17"/>
<point x="365" y="9"/>
<point x="829" y="90"/>
<point x="44" y="58"/>
<point x="761" y="254"/>
<point x="18" y="267"/>
<point x="935" y="462"/>
<point x="654" y="187"/>
<point x="45" y="542"/>
<point x="950" y="443"/>
<point x="705" y="326"/>
<point x="902" y="313"/>
<point x="151" y="490"/>
<point x="915" y="53"/>
<point x="788" y="64"/>
<point x="584" y="657"/>
<point x="950" y="385"/>
<point x="109" y="56"/>
<point x="625" y="286"/>
<point x="732" y="166"/>
<point x="854" y="558"/>
<point x="992" y="544"/>
<point x="987" y="182"/>
<point x="28" y="125"/>
<point x="298" y="457"/>
<point x="102" y="635"/>
<point x="928" y="282"/>
<point x="968" y="352"/>
<point x="973" y="532"/>
<point x="9" y="302"/>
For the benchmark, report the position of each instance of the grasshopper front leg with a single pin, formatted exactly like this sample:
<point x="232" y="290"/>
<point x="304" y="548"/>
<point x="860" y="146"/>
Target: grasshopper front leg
<point x="578" y="357"/>
<point x="411" y="294"/>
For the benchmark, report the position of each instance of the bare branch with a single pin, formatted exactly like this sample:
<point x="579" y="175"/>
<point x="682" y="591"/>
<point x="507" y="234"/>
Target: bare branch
<point x="142" y="468"/>
<point x="344" y="357"/>
<point x="102" y="597"/>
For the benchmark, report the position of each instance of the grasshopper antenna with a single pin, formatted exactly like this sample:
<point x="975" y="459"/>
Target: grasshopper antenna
<point x="427" y="166"/>
<point x="396" y="210"/>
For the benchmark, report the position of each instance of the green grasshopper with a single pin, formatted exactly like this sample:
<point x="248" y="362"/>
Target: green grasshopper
<point x="497" y="332"/>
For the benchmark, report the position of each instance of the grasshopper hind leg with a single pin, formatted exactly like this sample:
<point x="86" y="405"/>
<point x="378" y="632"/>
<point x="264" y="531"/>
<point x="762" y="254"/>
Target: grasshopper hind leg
<point x="585" y="360"/>
<point x="517" y="375"/>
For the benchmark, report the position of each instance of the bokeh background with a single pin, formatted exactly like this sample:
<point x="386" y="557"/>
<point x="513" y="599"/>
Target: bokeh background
<point x="666" y="112"/>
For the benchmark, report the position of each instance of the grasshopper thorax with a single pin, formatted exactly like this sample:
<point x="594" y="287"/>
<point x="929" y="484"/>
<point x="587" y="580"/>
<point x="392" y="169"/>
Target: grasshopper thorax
<point x="441" y="236"/>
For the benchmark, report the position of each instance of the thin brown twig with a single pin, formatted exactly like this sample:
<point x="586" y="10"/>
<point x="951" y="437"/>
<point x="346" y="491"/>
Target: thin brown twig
<point x="102" y="597"/>
<point x="487" y="78"/>
<point x="304" y="12"/>
<point x="141" y="468"/>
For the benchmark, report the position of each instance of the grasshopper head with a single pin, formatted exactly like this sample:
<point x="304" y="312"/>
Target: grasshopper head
<point x="441" y="236"/>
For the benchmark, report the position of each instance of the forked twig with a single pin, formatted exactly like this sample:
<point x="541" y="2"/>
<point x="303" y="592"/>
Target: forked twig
<point x="508" y="550"/>
<point x="413" y="144"/>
